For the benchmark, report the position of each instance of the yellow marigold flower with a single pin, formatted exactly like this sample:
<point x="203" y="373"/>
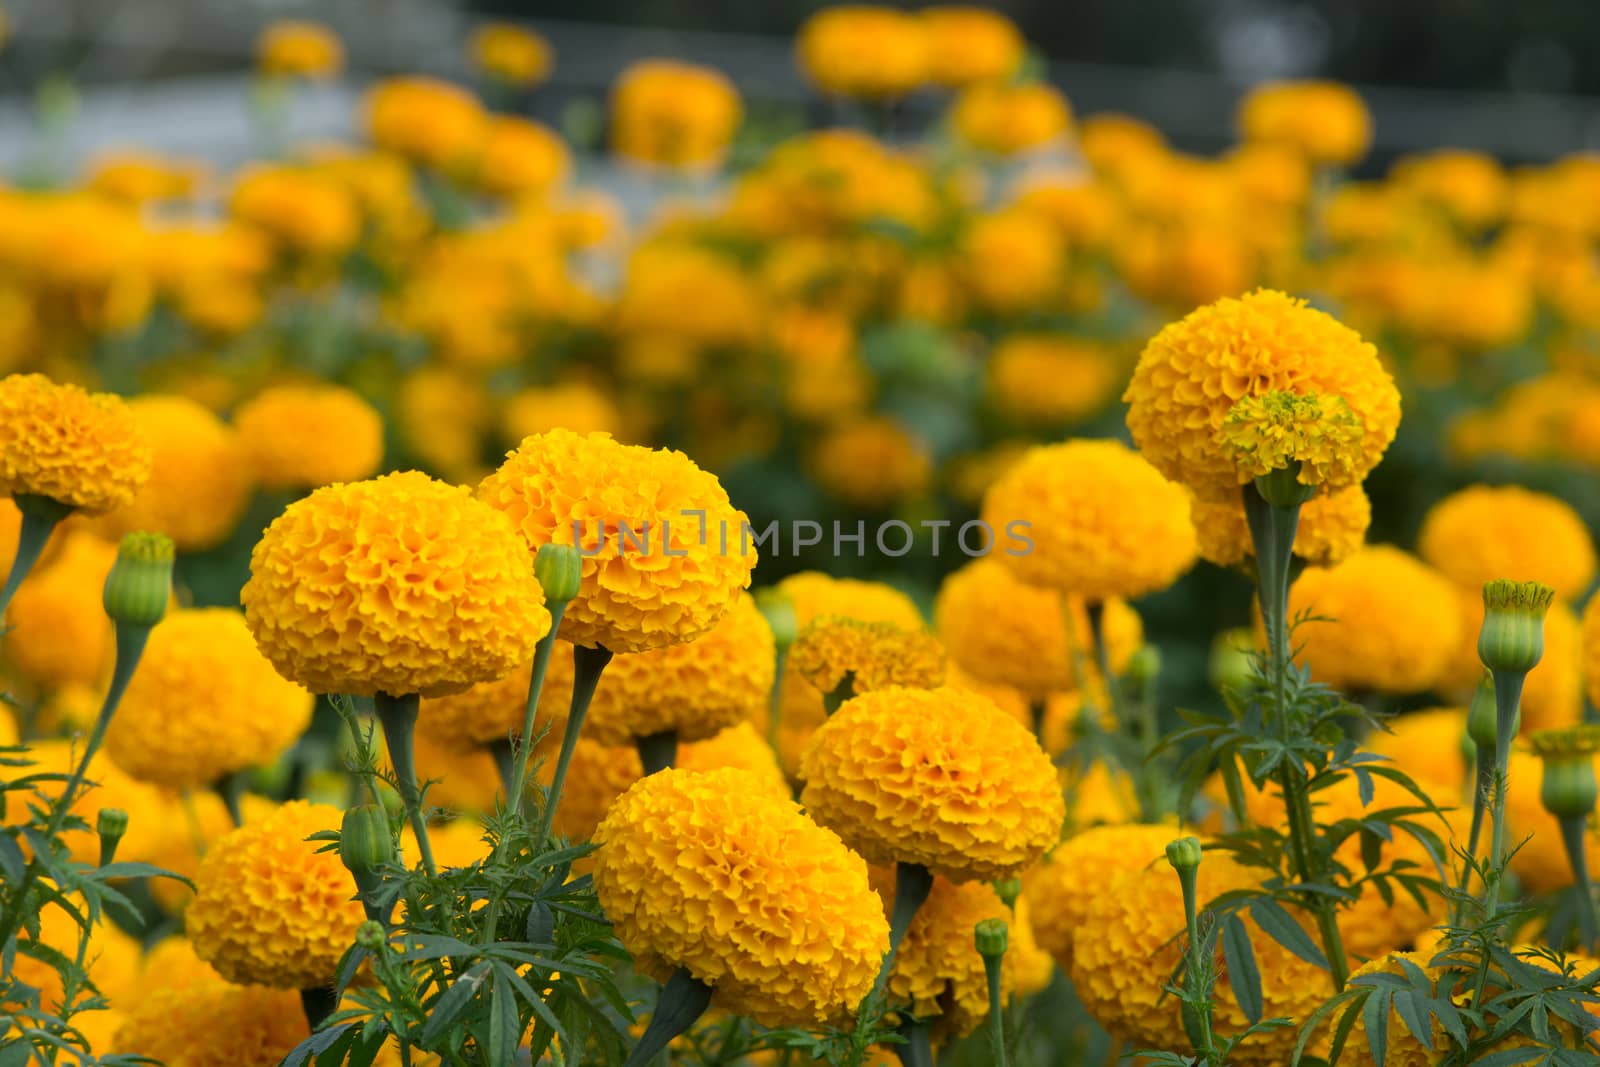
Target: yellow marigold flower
<point x="967" y="45"/>
<point x="1382" y="620"/>
<point x="1010" y="700"/>
<point x="938" y="975"/>
<point x="200" y="479"/>
<point x="1470" y="186"/>
<point x="493" y="710"/>
<point x="938" y="777"/>
<point x="864" y="51"/>
<point x="1114" y="144"/>
<point x="520" y="158"/>
<point x="198" y="660"/>
<point x="299" y="50"/>
<point x="696" y="689"/>
<point x="305" y="212"/>
<point x="1427" y="745"/>
<point x="305" y="436"/>
<point x="1540" y="861"/>
<point x="1271" y="174"/>
<point x="872" y="463"/>
<point x="1194" y="371"/>
<point x="1011" y="262"/>
<point x="565" y="488"/>
<point x="427" y="121"/>
<point x="833" y="650"/>
<point x="171" y="963"/>
<point x="397" y="585"/>
<point x="214" y="1024"/>
<point x="511" y="54"/>
<point x="602" y="773"/>
<point x="576" y="406"/>
<point x="1128" y="945"/>
<point x="1331" y="527"/>
<point x="79" y="448"/>
<point x="1059" y="891"/>
<point x="1552" y="693"/>
<point x="674" y="115"/>
<point x="1102" y="522"/>
<point x="1030" y="965"/>
<point x="1484" y="532"/>
<point x="1325" y="120"/>
<point x="1003" y="630"/>
<point x="1050" y="379"/>
<point x="59" y="633"/>
<point x="143" y="177"/>
<point x="815" y="594"/>
<point x="444" y="414"/>
<point x="244" y="923"/>
<point x="1262" y="434"/>
<point x="189" y="826"/>
<point x="797" y="941"/>
<point x="1008" y="120"/>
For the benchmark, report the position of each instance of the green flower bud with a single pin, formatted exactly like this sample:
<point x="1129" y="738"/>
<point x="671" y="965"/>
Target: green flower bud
<point x="1230" y="668"/>
<point x="1009" y="890"/>
<point x="1481" y="716"/>
<point x="1568" y="789"/>
<point x="1184" y="854"/>
<point x="366" y="843"/>
<point x="110" y="824"/>
<point x="1512" y="638"/>
<point x="991" y="936"/>
<point x="778" y="609"/>
<point x="1144" y="666"/>
<point x="140" y="582"/>
<point x="559" y="569"/>
<point x="371" y="935"/>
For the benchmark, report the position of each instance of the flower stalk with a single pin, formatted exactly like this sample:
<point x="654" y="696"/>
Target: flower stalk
<point x="398" y="715"/>
<point x="990" y="938"/>
<point x="912" y="884"/>
<point x="587" y="666"/>
<point x="40" y="515"/>
<point x="559" y="570"/>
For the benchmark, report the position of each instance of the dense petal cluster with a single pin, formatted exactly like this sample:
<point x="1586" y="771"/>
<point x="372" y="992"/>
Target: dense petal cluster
<point x="493" y="711"/>
<point x="1486" y="532"/>
<point x="79" y="448"/>
<point x="1101" y="521"/>
<point x="211" y="1023"/>
<point x="1331" y="527"/>
<point x="1326" y="121"/>
<point x="1047" y="379"/>
<point x="1060" y="890"/>
<point x="938" y="777"/>
<point x="665" y="553"/>
<point x="199" y="662"/>
<point x="304" y="436"/>
<point x="1194" y="371"/>
<point x="249" y="924"/>
<point x="815" y="594"/>
<point x="699" y="870"/>
<point x="1280" y="430"/>
<point x="833" y="650"/>
<point x="1381" y="620"/>
<point x="696" y="689"/>
<point x="864" y="51"/>
<point x="398" y="585"/>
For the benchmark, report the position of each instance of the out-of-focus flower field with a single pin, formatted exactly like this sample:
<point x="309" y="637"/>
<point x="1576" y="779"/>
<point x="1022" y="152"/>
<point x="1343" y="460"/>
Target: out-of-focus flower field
<point x="870" y="337"/>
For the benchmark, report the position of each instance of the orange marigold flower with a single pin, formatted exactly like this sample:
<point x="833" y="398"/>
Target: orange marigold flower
<point x="305" y="436"/>
<point x="1060" y="889"/>
<point x="864" y="51"/>
<point x="245" y="924"/>
<point x="938" y="777"/>
<point x="1484" y="532"/>
<point x="299" y="49"/>
<point x="664" y="552"/>
<point x="511" y="54"/>
<point x="967" y="45"/>
<point x="397" y="585"/>
<point x="78" y="448"/>
<point x="675" y="115"/>
<point x="1008" y="120"/>
<point x="796" y="940"/>
<point x="833" y="650"/>
<point x="426" y="120"/>
<point x="212" y="1023"/>
<point x="1327" y="121"/>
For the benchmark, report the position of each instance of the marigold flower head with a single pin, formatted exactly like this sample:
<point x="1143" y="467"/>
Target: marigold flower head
<point x="1102" y="522"/>
<point x="171" y="963"/>
<point x="871" y="463"/>
<point x="696" y="689"/>
<point x="511" y="54"/>
<point x="601" y="773"/>
<point x="1483" y="532"/>
<point x="1331" y="527"/>
<point x="833" y="650"/>
<point x="305" y="212"/>
<point x="1050" y="380"/>
<point x="1059" y="890"/>
<point x="305" y="436"/>
<point x="428" y="121"/>
<point x="1319" y="435"/>
<point x="864" y="51"/>
<point x="198" y="660"/>
<point x="938" y="974"/>
<point x="1470" y="186"/>
<point x="563" y="488"/>
<point x="519" y="158"/>
<point x="213" y="1023"/>
<point x="969" y="45"/>
<point x="1327" y="121"/>
<point x="397" y="585"/>
<point x="1011" y="261"/>
<point x="794" y="940"/>
<point x="1194" y="371"/>
<point x="938" y="777"/>
<point x="1008" y="120"/>
<point x="674" y="115"/>
<point x="245" y="925"/>
<point x="575" y="406"/>
<point x="200" y="479"/>
<point x="815" y="594"/>
<point x="299" y="49"/>
<point x="1003" y="630"/>
<point x="81" y="449"/>
<point x="59" y="632"/>
<point x="1382" y="620"/>
<point x="493" y="710"/>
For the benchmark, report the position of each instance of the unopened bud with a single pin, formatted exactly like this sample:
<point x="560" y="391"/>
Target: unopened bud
<point x="559" y="569"/>
<point x="1144" y="666"/>
<point x="991" y="937"/>
<point x="1481" y="715"/>
<point x="366" y="844"/>
<point x="140" y="582"/>
<point x="1184" y="854"/>
<point x="1568" y="789"/>
<point x="1230" y="667"/>
<point x="1512" y="638"/>
<point x="371" y="935"/>
<point x="110" y="824"/>
<point x="1009" y="890"/>
<point x="778" y="610"/>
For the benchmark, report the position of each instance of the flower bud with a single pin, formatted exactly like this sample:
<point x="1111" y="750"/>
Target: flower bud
<point x="778" y="609"/>
<point x="1481" y="715"/>
<point x="559" y="569"/>
<point x="1143" y="666"/>
<point x="1008" y="891"/>
<point x="1568" y="789"/>
<point x="366" y="843"/>
<point x="1184" y="854"/>
<point x="991" y="936"/>
<point x="1512" y="638"/>
<point x="110" y="824"/>
<point x="140" y="582"/>
<point x="371" y="936"/>
<point x="1230" y="668"/>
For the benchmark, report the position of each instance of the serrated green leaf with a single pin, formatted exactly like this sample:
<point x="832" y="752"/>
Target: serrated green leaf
<point x="453" y="1002"/>
<point x="1243" y="974"/>
<point x="1282" y="928"/>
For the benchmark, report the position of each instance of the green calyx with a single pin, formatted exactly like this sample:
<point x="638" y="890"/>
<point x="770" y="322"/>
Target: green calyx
<point x="559" y="569"/>
<point x="991" y="937"/>
<point x="140" y="583"/>
<point x="1512" y="637"/>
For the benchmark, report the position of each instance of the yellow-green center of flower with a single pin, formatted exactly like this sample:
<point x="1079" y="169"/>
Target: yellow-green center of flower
<point x="1277" y="430"/>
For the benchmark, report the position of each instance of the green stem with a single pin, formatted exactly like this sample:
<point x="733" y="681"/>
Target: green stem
<point x="587" y="666"/>
<point x="398" y="714"/>
<point x="541" y="663"/>
<point x="40" y="514"/>
<point x="318" y="1004"/>
<point x="504" y="753"/>
<point x="1483" y="775"/>
<point x="912" y="884"/>
<point x="775" y="700"/>
<point x="683" y="1000"/>
<point x="230" y="788"/>
<point x="918" y="1048"/>
<point x="657" y="752"/>
<point x="997" y="1031"/>
<point x="1573" y="832"/>
<point x="845" y="690"/>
